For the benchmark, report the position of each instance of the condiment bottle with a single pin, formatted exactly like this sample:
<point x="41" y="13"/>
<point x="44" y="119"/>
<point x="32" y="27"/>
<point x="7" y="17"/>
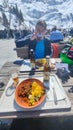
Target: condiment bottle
<point x="32" y="59"/>
<point x="46" y="76"/>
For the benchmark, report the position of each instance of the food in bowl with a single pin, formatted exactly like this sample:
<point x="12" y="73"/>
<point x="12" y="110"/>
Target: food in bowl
<point x="40" y="62"/>
<point x="30" y="93"/>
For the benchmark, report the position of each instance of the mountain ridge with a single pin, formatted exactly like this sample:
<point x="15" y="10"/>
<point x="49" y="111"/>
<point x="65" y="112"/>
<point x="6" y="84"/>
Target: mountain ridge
<point x="55" y="12"/>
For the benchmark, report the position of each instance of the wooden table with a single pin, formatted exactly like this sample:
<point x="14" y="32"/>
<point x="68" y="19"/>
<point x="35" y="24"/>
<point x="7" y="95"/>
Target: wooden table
<point x="5" y="73"/>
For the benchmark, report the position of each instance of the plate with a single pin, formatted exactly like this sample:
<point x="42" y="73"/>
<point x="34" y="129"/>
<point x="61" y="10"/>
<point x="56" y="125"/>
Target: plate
<point x="41" y="62"/>
<point x="20" y="97"/>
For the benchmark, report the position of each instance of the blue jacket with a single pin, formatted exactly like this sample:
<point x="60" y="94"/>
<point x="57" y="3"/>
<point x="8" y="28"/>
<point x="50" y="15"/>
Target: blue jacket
<point x="56" y="36"/>
<point x="32" y="45"/>
<point x="47" y="44"/>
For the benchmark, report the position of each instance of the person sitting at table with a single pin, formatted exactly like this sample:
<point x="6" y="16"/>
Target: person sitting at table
<point x="38" y="42"/>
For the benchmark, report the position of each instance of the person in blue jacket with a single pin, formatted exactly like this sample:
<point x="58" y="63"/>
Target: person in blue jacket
<point x="38" y="42"/>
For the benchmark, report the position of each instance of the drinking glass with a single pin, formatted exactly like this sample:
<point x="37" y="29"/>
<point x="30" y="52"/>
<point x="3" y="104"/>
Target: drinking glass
<point x="15" y="79"/>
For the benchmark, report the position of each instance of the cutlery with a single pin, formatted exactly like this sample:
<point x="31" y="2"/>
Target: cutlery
<point x="54" y="91"/>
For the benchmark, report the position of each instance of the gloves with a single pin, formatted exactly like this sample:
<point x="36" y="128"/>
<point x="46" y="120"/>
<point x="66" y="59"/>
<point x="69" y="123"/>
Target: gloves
<point x="63" y="74"/>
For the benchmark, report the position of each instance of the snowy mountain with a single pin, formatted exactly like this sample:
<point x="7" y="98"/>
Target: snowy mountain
<point x="54" y="12"/>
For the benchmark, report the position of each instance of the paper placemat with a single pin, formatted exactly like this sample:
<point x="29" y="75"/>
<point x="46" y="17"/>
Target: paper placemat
<point x="8" y="104"/>
<point x="25" y="66"/>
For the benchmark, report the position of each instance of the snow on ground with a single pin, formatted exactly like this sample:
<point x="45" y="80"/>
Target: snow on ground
<point x="7" y="51"/>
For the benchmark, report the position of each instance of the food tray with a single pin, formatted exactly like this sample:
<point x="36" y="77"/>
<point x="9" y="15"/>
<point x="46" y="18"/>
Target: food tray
<point x="58" y="101"/>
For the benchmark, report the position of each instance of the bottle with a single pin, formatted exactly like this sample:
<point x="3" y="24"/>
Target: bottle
<point x="47" y="70"/>
<point x="32" y="59"/>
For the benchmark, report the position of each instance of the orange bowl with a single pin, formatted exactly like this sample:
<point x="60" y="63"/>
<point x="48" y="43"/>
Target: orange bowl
<point x="19" y="100"/>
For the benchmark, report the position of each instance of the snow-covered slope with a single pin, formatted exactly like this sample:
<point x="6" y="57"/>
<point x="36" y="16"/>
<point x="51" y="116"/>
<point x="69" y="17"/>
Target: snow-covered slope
<point x="54" y="12"/>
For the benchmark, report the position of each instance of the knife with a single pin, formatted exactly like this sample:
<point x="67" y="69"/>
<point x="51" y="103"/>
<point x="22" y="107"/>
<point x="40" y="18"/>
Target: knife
<point x="54" y="91"/>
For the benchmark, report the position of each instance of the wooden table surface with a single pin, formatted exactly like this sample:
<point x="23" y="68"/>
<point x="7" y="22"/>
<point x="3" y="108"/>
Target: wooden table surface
<point x="5" y="74"/>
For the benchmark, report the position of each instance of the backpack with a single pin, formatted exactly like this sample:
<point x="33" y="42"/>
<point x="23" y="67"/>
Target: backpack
<point x="68" y="50"/>
<point x="70" y="53"/>
<point x="66" y="54"/>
